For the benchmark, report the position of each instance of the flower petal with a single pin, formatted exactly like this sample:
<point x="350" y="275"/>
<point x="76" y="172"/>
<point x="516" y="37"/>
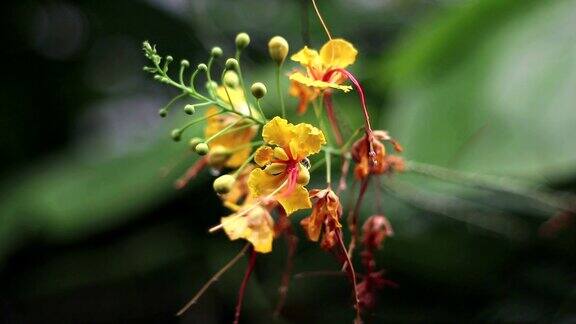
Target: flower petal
<point x="235" y="97"/>
<point x="307" y="140"/>
<point x="307" y="57"/>
<point x="235" y="226"/>
<point x="261" y="183"/>
<point x="263" y="155"/>
<point x="257" y="227"/>
<point x="296" y="200"/>
<point x="301" y="78"/>
<point x="278" y="131"/>
<point x="262" y="227"/>
<point x="338" y="53"/>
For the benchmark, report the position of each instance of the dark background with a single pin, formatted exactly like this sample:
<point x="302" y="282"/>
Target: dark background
<point x="91" y="229"/>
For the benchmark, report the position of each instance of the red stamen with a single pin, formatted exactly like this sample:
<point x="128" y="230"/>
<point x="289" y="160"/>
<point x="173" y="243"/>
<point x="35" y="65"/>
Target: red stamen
<point x="292" y="172"/>
<point x="367" y="127"/>
<point x="332" y="118"/>
<point x="249" y="270"/>
<point x="191" y="173"/>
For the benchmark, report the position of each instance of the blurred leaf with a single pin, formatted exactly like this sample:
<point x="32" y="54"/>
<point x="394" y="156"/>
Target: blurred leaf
<point x="489" y="87"/>
<point x="71" y="197"/>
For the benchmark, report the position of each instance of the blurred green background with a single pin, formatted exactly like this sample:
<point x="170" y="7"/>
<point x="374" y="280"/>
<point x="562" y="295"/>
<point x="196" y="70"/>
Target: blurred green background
<point x="91" y="229"/>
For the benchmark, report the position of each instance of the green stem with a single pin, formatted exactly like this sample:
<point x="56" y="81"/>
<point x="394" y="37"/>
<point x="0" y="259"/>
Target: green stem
<point x="181" y="74"/>
<point x="260" y="108"/>
<point x="173" y="101"/>
<point x="279" y="90"/>
<point x="318" y="164"/>
<point x="228" y="129"/>
<point x="192" y="78"/>
<point x="244" y="164"/>
<point x="200" y="120"/>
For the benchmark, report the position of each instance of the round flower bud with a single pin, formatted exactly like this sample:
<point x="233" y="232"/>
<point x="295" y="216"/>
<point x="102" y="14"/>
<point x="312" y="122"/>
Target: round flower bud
<point x="185" y="63"/>
<point x="201" y="148"/>
<point x="211" y="85"/>
<point x="231" y="79"/>
<point x="218" y="155"/>
<point x="258" y="90"/>
<point x="176" y="134"/>
<point x="169" y="58"/>
<point x="303" y="176"/>
<point x="223" y="184"/>
<point x="242" y="40"/>
<point x="216" y="51"/>
<point x="158" y="77"/>
<point x="202" y="67"/>
<point x="195" y="141"/>
<point x="231" y="64"/>
<point x="163" y="112"/>
<point x="278" y="49"/>
<point x="189" y="109"/>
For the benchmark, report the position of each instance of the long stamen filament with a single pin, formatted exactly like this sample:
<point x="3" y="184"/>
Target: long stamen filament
<point x="321" y="20"/>
<point x="212" y="280"/>
<point x="367" y="126"/>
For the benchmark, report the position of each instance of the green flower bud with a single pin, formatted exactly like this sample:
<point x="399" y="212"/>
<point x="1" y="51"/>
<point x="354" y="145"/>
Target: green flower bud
<point x="303" y="176"/>
<point x="232" y="64"/>
<point x="201" y="148"/>
<point x="218" y="156"/>
<point x="185" y="63"/>
<point x="258" y="90"/>
<point x="169" y="58"/>
<point x="163" y="112"/>
<point x="158" y="77"/>
<point x="223" y="184"/>
<point x="176" y="134"/>
<point x="202" y="67"/>
<point x="211" y="86"/>
<point x="189" y="109"/>
<point x="194" y="141"/>
<point x="231" y="79"/>
<point x="242" y="40"/>
<point x="278" y="49"/>
<point x="216" y="51"/>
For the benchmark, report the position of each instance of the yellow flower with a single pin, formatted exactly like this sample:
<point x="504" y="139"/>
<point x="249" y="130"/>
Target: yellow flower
<point x="230" y="149"/>
<point x="319" y="76"/>
<point x="252" y="223"/>
<point x="283" y="175"/>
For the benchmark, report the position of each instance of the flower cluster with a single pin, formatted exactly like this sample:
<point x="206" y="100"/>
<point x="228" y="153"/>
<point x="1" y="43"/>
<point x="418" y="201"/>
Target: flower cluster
<point x="265" y="162"/>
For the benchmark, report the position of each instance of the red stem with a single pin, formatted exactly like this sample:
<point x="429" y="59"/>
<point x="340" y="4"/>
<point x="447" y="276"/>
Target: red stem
<point x="251" y="263"/>
<point x="292" y="241"/>
<point x="351" y="274"/>
<point x="353" y="217"/>
<point x="332" y="118"/>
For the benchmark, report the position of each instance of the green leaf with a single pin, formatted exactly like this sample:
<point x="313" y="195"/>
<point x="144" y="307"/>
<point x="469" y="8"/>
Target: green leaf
<point x="489" y="87"/>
